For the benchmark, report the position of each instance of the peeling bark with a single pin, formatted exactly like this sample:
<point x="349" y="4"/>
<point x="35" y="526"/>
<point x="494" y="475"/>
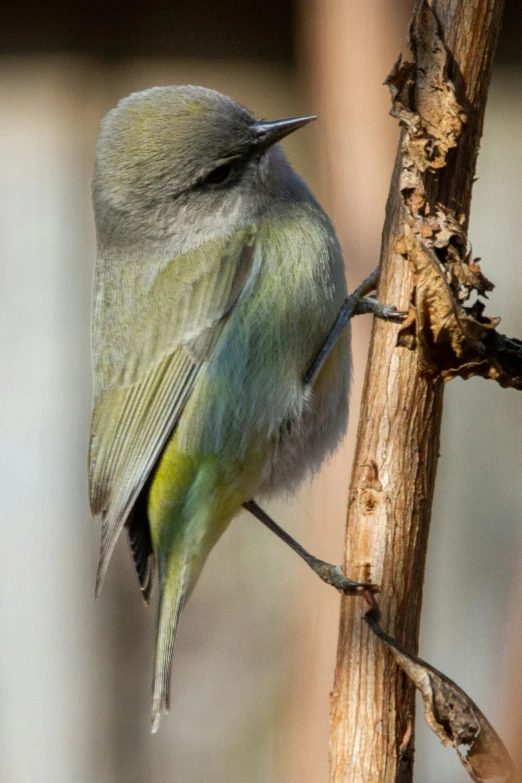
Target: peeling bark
<point x="452" y="338"/>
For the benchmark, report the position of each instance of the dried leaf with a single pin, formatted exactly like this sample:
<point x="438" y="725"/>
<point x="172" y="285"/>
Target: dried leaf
<point x="503" y="364"/>
<point x="407" y="333"/>
<point x="466" y="276"/>
<point x="435" y="94"/>
<point x="452" y="715"/>
<point x="400" y="76"/>
<point x="400" y="82"/>
<point x="423" y="99"/>
<point x="445" y="333"/>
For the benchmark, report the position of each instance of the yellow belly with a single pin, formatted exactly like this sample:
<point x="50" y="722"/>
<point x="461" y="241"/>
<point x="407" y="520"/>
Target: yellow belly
<point x="192" y="499"/>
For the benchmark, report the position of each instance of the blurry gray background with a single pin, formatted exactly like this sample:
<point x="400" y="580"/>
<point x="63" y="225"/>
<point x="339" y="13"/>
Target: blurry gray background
<point x="255" y="652"/>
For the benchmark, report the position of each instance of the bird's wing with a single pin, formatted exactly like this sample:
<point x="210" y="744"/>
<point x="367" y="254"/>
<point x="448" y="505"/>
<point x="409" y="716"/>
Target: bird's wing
<point x="145" y="372"/>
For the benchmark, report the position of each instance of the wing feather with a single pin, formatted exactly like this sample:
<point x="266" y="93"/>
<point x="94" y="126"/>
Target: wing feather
<point x="139" y="401"/>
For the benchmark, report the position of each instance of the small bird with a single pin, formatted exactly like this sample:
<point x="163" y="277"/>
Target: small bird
<point x="218" y="279"/>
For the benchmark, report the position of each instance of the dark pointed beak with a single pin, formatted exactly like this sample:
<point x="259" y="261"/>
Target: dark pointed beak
<point x="270" y="132"/>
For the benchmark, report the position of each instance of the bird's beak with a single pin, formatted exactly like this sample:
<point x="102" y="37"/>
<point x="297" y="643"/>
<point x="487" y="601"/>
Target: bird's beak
<point x="270" y="132"/>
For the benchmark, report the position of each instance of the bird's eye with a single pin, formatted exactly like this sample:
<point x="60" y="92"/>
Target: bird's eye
<point x="220" y="175"/>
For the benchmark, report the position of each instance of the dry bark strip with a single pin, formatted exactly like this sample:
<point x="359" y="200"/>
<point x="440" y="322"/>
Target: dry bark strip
<point x="425" y="265"/>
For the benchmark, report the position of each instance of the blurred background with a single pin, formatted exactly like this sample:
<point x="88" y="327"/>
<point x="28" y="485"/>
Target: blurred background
<point x="255" y="651"/>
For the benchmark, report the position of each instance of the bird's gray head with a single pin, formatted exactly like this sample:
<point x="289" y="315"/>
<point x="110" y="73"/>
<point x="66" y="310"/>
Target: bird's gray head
<point x="181" y="153"/>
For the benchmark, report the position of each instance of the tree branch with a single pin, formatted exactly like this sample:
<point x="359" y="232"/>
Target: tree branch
<point x="440" y="101"/>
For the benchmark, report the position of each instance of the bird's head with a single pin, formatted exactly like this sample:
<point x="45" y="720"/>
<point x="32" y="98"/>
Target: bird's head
<point x="184" y="150"/>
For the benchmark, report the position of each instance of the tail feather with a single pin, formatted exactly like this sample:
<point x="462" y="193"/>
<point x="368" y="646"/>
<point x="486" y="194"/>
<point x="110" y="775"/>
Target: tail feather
<point x="172" y="592"/>
<point x="140" y="544"/>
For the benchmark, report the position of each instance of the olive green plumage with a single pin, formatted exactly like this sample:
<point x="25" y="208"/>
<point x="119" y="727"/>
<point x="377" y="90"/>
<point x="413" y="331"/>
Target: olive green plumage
<point x="217" y="280"/>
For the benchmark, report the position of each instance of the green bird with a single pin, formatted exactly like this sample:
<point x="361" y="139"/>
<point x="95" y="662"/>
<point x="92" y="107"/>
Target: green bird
<point x="218" y="279"/>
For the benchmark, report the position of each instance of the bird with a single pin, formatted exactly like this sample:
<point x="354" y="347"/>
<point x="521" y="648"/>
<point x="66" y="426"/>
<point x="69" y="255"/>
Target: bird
<point x="218" y="278"/>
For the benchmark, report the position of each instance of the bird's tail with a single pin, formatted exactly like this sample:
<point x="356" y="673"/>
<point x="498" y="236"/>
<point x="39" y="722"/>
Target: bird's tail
<point x="172" y="593"/>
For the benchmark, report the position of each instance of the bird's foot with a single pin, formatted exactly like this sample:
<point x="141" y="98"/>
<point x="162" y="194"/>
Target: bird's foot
<point x="369" y="304"/>
<point x="360" y="302"/>
<point x="334" y="575"/>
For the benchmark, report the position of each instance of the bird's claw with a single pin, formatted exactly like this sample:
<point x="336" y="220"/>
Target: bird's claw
<point x="369" y="304"/>
<point x="334" y="575"/>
